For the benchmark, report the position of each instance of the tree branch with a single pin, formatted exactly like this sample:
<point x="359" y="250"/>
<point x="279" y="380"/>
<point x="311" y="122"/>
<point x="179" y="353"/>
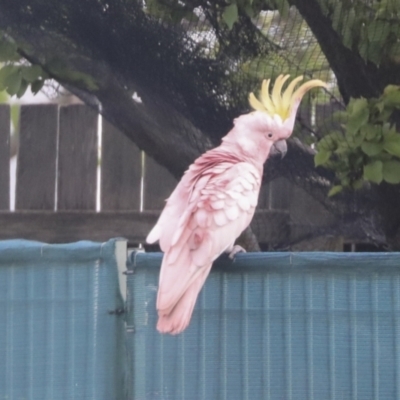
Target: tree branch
<point x="355" y="77"/>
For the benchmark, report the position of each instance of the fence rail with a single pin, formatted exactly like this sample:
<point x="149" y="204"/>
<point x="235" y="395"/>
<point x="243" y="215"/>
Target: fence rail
<point x="60" y="158"/>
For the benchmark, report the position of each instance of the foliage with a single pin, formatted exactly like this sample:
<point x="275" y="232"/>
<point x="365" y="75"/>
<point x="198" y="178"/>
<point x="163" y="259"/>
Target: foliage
<point x="291" y="46"/>
<point x="16" y="75"/>
<point x="292" y="53"/>
<point x="370" y="27"/>
<point x="230" y="13"/>
<point x="174" y="11"/>
<point x="283" y="54"/>
<point x="171" y="11"/>
<point x="368" y="149"/>
<point x="61" y="72"/>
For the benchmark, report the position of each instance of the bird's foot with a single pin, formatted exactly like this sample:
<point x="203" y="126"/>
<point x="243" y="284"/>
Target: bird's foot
<point x="234" y="250"/>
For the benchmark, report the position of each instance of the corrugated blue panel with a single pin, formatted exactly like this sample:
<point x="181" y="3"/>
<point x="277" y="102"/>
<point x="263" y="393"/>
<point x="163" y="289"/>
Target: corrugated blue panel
<point x="58" y="340"/>
<point x="273" y="326"/>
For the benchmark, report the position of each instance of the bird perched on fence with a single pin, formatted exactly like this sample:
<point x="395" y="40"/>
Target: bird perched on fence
<point x="216" y="199"/>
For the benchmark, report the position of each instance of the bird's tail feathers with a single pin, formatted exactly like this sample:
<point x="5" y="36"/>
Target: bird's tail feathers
<point x="180" y="267"/>
<point x="176" y="320"/>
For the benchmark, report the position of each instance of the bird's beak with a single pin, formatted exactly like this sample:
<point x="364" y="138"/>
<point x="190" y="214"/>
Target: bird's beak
<point x="279" y="148"/>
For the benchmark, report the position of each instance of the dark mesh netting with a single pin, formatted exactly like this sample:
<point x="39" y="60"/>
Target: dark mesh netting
<point x="192" y="73"/>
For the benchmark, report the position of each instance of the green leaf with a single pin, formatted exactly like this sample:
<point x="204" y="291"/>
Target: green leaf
<point x="371" y="148"/>
<point x="347" y="36"/>
<point x="4" y="72"/>
<point x="340" y="116"/>
<point x="324" y="8"/>
<point x="343" y="149"/>
<point x="392" y="143"/>
<point x="392" y="148"/>
<point x="22" y="89"/>
<point x="392" y="97"/>
<point x="337" y="16"/>
<point x="375" y="52"/>
<point x="37" y="86"/>
<point x="84" y="79"/>
<point x="348" y="27"/>
<point x="391" y="171"/>
<point x="13" y="82"/>
<point x="31" y="73"/>
<point x="330" y="141"/>
<point x="383" y="157"/>
<point x="4" y="97"/>
<point x="355" y="141"/>
<point x="322" y="157"/>
<point x="283" y="8"/>
<point x="378" y="31"/>
<point x="373" y="172"/>
<point x="358" y="115"/>
<point x="380" y="105"/>
<point x="390" y="89"/>
<point x="248" y="9"/>
<point x="394" y="50"/>
<point x="61" y="72"/>
<point x="363" y="50"/>
<point x="335" y="190"/>
<point x="8" y="51"/>
<point x="384" y="115"/>
<point x="360" y="136"/>
<point x="344" y="179"/>
<point x="389" y="133"/>
<point x="371" y="131"/>
<point x="358" y="105"/>
<point x="230" y="15"/>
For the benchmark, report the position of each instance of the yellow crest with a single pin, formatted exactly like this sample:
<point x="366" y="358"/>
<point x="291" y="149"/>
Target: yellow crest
<point x="281" y="103"/>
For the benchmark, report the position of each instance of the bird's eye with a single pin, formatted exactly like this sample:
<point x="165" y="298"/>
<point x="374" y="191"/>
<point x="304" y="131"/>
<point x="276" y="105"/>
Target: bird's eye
<point x="270" y="135"/>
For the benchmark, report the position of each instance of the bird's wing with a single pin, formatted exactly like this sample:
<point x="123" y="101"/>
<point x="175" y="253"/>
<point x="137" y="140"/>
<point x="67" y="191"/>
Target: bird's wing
<point x="171" y="214"/>
<point x="219" y="207"/>
<point x="194" y="179"/>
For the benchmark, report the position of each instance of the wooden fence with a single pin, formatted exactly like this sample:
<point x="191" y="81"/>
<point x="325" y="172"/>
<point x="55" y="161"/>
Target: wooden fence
<point x="58" y="162"/>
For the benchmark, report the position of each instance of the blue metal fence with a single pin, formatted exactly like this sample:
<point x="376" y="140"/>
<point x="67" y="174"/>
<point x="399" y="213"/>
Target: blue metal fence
<point x="57" y="338"/>
<point x="268" y="326"/>
<point x="274" y="326"/>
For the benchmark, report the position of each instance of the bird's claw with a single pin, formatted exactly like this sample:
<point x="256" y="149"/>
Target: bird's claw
<point x="234" y="250"/>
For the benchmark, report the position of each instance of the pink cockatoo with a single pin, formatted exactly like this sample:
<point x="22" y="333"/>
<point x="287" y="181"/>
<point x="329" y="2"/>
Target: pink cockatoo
<point x="216" y="199"/>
